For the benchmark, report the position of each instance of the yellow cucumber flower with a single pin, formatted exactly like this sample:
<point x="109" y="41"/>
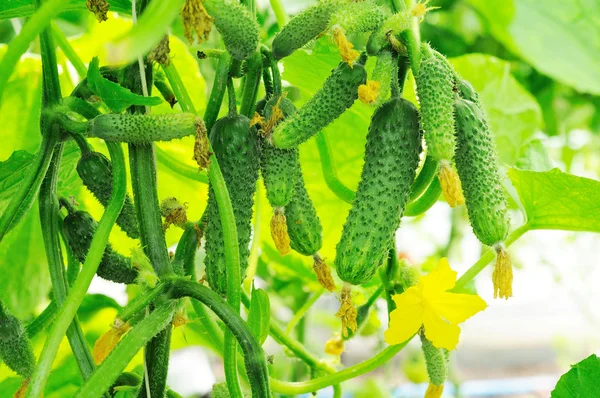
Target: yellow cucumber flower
<point x="429" y="304"/>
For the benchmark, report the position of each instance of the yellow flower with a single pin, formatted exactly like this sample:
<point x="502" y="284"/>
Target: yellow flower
<point x="429" y="304"/>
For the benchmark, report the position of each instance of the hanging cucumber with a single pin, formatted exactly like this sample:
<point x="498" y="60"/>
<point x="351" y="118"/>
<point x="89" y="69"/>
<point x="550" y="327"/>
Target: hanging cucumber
<point x="391" y="159"/>
<point x="435" y="89"/>
<point x="377" y="89"/>
<point x="79" y="228"/>
<point x="95" y="172"/>
<point x="357" y="17"/>
<point x="436" y="363"/>
<point x="338" y="93"/>
<point x="15" y="348"/>
<point x="305" y="231"/>
<point x="477" y="167"/>
<point x="303" y="28"/>
<point x="235" y="145"/>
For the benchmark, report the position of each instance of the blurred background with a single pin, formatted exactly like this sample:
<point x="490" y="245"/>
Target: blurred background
<point x="536" y="67"/>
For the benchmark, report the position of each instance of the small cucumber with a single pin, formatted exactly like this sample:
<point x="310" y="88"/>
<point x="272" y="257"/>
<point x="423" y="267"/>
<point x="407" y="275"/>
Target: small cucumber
<point x="142" y="129"/>
<point x="79" y="228"/>
<point x="303" y="28"/>
<point x="357" y="17"/>
<point x="391" y="159"/>
<point x="338" y="93"/>
<point x="238" y="28"/>
<point x="95" y="172"/>
<point x="15" y="348"/>
<point x="436" y="363"/>
<point x="236" y="147"/>
<point x="477" y="166"/>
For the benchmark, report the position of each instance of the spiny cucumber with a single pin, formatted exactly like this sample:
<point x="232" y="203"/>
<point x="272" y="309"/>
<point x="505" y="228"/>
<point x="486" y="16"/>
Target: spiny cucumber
<point x="95" y="172"/>
<point x="15" y="348"/>
<point x="79" y="228"/>
<point x="142" y="129"/>
<point x="338" y="93"/>
<point x="236" y="147"/>
<point x="303" y="28"/>
<point x="358" y="16"/>
<point x="436" y="363"/>
<point x="391" y="159"/>
<point x="388" y="32"/>
<point x="238" y="28"/>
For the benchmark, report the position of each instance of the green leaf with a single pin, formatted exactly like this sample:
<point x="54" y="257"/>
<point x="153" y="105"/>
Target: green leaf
<point x="557" y="200"/>
<point x="12" y="172"/>
<point x="259" y="315"/>
<point x="513" y="112"/>
<point x="92" y="303"/>
<point x="534" y="156"/>
<point x="115" y="96"/>
<point x="581" y="381"/>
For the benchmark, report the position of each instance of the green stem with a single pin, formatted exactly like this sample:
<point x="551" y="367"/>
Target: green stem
<point x="486" y="258"/>
<point x="231" y="100"/>
<point x="397" y="6"/>
<point x="82" y="107"/>
<point x="412" y="40"/>
<point x="337" y="391"/>
<point x="185" y="102"/>
<point x="140" y="302"/>
<point x="254" y="356"/>
<point x="69" y="309"/>
<point x="330" y="171"/>
<point x="274" y="70"/>
<point x="69" y="51"/>
<point x="126" y="349"/>
<point x="251" y="84"/>
<point x="22" y="201"/>
<point x="42" y="321"/>
<point x="255" y="247"/>
<point x="302" y="311"/>
<point x="351" y="372"/>
<point x="17" y="46"/>
<point x="180" y="168"/>
<point x="424" y="179"/>
<point x="218" y="91"/>
<point x="425" y="201"/>
<point x="279" y="11"/>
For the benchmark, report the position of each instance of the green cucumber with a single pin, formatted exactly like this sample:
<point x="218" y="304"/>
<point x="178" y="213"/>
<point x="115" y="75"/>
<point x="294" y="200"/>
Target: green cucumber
<point x="383" y="73"/>
<point x="238" y="28"/>
<point x="389" y="30"/>
<point x="477" y="167"/>
<point x="79" y="228"/>
<point x="391" y="159"/>
<point x="95" y="172"/>
<point x="235" y="145"/>
<point x="435" y="84"/>
<point x="466" y="91"/>
<point x="436" y="361"/>
<point x="338" y="93"/>
<point x="303" y="28"/>
<point x="357" y="17"/>
<point x="15" y="348"/>
<point x="278" y="167"/>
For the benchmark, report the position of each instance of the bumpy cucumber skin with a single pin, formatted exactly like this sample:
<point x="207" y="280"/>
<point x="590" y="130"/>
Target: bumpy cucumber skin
<point x="466" y="91"/>
<point x="435" y="362"/>
<point x="238" y="28"/>
<point x="15" y="348"/>
<point x="303" y="28"/>
<point x="338" y="93"/>
<point x="79" y="228"/>
<point x="477" y="168"/>
<point x="279" y="167"/>
<point x="303" y="224"/>
<point x="436" y="96"/>
<point x="359" y="16"/>
<point x="236" y="147"/>
<point x="391" y="159"/>
<point x="95" y="172"/>
<point x="382" y="73"/>
<point x="142" y="129"/>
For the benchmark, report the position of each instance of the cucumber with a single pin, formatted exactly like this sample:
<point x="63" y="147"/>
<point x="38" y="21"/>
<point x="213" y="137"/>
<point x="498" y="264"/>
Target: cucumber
<point x="303" y="28"/>
<point x="389" y="30"/>
<point x="15" y="348"/>
<point x="79" y="228"/>
<point x="238" y="28"/>
<point x="382" y="73"/>
<point x="466" y="91"/>
<point x="338" y="93"/>
<point x="357" y="17"/>
<point x="477" y="167"/>
<point x="436" y="363"/>
<point x="95" y="172"/>
<point x="391" y="159"/>
<point x="235" y="145"/>
<point x="142" y="129"/>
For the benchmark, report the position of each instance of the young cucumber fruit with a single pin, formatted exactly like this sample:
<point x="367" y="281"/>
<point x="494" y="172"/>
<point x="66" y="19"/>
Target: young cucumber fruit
<point x="236" y="147"/>
<point x="303" y="28"/>
<point x="477" y="167"/>
<point x="238" y="28"/>
<point x="436" y="363"/>
<point x="142" y="129"/>
<point x="359" y="16"/>
<point x="79" y="228"/>
<point x="338" y="93"/>
<point x="391" y="159"/>
<point x="15" y="348"/>
<point x="95" y="172"/>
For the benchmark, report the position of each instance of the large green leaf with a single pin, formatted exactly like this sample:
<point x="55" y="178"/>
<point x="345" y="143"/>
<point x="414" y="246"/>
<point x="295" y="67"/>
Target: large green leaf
<point x="581" y="381"/>
<point x="513" y="112"/>
<point x="557" y="200"/>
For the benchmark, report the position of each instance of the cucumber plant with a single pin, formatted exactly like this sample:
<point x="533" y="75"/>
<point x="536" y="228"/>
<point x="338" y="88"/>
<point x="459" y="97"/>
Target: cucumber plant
<point x="416" y="147"/>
